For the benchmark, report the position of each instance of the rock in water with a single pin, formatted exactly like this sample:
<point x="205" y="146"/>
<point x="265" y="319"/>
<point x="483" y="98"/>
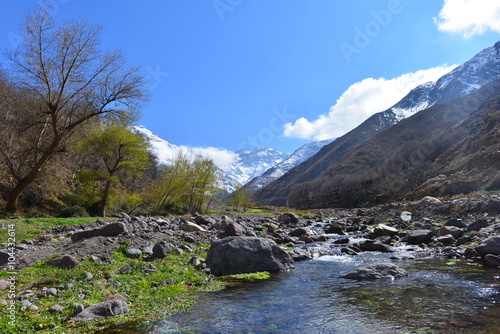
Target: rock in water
<point x="233" y="255"/>
<point x="377" y="271"/>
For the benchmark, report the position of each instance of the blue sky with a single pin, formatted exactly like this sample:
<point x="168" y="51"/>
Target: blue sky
<point x="233" y="74"/>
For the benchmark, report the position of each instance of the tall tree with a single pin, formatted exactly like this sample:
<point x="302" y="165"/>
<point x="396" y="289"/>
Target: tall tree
<point x="119" y="153"/>
<point x="66" y="82"/>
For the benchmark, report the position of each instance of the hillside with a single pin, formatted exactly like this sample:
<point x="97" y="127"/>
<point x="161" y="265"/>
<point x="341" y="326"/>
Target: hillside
<point x="447" y="149"/>
<point x="473" y="74"/>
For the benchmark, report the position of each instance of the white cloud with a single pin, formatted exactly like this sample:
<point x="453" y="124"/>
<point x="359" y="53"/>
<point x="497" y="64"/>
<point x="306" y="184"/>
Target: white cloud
<point x="360" y="101"/>
<point x="469" y="17"/>
<point x="166" y="152"/>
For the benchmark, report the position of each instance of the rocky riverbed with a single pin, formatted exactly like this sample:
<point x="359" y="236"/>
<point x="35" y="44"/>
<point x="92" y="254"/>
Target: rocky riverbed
<point x="456" y="229"/>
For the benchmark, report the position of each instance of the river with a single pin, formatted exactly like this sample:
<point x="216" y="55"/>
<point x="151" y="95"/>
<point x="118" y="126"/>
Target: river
<point x="438" y="296"/>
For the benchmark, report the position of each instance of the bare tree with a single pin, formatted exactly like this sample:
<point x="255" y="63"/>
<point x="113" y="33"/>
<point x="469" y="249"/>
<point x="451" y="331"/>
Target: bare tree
<point x="66" y="82"/>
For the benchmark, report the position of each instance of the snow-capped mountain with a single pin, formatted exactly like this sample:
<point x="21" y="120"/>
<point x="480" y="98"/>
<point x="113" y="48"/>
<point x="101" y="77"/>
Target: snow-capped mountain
<point x="237" y="167"/>
<point x="300" y="155"/>
<point x="484" y="67"/>
<point x="253" y="162"/>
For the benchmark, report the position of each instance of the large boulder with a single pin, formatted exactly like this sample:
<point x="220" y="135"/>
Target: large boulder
<point x="233" y="255"/>
<point x="377" y="271"/>
<point x="109" y="230"/>
<point x="105" y="309"/>
<point x="418" y="237"/>
<point x="489" y="245"/>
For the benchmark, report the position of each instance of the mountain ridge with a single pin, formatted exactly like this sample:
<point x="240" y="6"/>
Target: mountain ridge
<point x="482" y="68"/>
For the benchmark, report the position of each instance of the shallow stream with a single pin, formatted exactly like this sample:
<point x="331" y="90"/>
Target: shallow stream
<point x="439" y="296"/>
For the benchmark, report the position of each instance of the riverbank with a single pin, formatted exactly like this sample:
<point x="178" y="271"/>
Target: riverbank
<point x="120" y="259"/>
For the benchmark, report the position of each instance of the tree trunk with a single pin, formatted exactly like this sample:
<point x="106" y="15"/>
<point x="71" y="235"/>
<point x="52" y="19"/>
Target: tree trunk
<point x="104" y="201"/>
<point x="11" y="206"/>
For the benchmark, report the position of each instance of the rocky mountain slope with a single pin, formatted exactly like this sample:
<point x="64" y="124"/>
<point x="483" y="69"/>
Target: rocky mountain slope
<point x="482" y="68"/>
<point x="251" y="163"/>
<point x="300" y="155"/>
<point x="450" y="148"/>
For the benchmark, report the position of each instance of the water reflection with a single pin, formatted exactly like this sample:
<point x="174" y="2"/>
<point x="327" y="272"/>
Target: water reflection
<point x="437" y="297"/>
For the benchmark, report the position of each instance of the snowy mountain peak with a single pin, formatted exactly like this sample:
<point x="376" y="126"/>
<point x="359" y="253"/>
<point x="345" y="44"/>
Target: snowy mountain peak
<point x="299" y="156"/>
<point x="484" y="67"/>
<point x="237" y="167"/>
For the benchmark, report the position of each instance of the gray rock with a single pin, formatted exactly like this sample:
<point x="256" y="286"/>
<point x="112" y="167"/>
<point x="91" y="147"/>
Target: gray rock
<point x="191" y="227"/>
<point x="233" y="229"/>
<point x="109" y="230"/>
<point x="455" y="222"/>
<point x="63" y="262"/>
<point x="446" y="239"/>
<point x="299" y="232"/>
<point x="377" y="271"/>
<point x="350" y="250"/>
<point x="299" y="254"/>
<point x="288" y="218"/>
<point x="161" y="249"/>
<point x="86" y="276"/>
<point x="428" y="201"/>
<point x="489" y="245"/>
<point x="56" y="308"/>
<point x="133" y="253"/>
<point x="319" y="238"/>
<point x="234" y="255"/>
<point x="335" y="229"/>
<point x="418" y="237"/>
<point x="102" y="310"/>
<point x="51" y="292"/>
<point x="478" y="224"/>
<point x="453" y="230"/>
<point x="375" y="246"/>
<point x="383" y="230"/>
<point x="4" y="258"/>
<point x="492" y="260"/>
<point x="77" y="307"/>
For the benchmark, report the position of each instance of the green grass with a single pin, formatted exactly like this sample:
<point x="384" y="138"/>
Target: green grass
<point x="147" y="294"/>
<point x="32" y="228"/>
<point x="251" y="277"/>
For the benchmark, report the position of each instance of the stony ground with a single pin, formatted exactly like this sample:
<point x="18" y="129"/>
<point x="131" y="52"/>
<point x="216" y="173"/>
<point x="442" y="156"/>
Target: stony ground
<point x="286" y="229"/>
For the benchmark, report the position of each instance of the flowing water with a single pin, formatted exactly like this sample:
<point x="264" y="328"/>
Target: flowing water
<point x="439" y="296"/>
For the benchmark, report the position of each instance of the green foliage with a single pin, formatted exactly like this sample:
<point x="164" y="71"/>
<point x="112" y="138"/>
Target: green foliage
<point x="241" y="197"/>
<point x="119" y="154"/>
<point x="186" y="185"/>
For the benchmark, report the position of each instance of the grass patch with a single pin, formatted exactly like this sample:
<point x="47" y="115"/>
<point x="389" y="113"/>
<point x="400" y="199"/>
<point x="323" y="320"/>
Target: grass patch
<point x="149" y="294"/>
<point x="250" y="277"/>
<point x="32" y="228"/>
